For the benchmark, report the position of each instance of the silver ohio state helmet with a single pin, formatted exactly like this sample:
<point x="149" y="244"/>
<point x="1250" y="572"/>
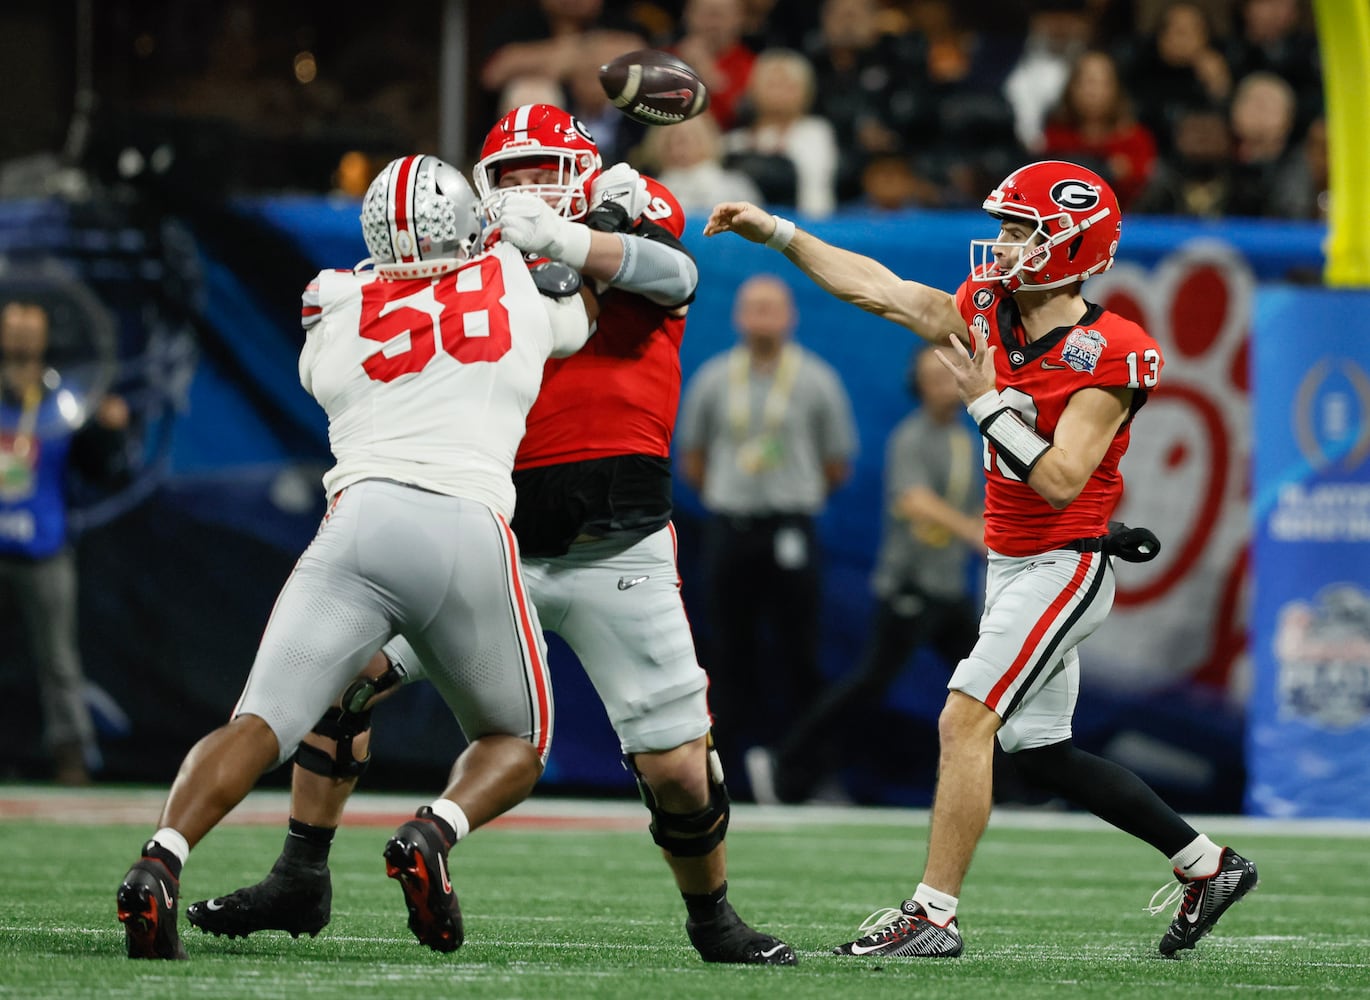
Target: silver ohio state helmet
<point x="420" y="217"/>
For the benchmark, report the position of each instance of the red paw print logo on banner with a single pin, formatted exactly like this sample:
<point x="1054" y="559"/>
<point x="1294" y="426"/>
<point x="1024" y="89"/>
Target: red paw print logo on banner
<point x="1183" y="616"/>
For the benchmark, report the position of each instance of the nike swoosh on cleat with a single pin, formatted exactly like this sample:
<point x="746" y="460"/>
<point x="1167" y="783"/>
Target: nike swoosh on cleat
<point x="771" y="951"/>
<point x="442" y="870"/>
<point x="625" y="582"/>
<point x="170" y="903"/>
<point x="213" y="905"/>
<point x="860" y="949"/>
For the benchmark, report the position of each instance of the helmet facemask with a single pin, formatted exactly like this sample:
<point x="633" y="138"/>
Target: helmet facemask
<point x="540" y="136"/>
<point x="1075" y="225"/>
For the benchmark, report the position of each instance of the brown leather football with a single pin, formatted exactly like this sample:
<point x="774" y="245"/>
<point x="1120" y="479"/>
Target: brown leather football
<point x="653" y="87"/>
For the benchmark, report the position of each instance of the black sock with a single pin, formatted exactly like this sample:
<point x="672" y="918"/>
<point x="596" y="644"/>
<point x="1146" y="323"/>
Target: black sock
<point x="705" y="906"/>
<point x="1108" y="790"/>
<point x="307" y="846"/>
<point x="157" y="852"/>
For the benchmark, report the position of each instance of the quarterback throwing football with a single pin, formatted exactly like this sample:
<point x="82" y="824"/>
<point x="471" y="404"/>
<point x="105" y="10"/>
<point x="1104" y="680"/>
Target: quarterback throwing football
<point x="1053" y="383"/>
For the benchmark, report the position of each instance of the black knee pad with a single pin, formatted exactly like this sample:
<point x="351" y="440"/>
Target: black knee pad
<point x="690" y="835"/>
<point x="343" y="727"/>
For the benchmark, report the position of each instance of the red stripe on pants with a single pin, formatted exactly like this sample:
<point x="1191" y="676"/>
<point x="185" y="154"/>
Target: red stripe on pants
<point x="1040" y="629"/>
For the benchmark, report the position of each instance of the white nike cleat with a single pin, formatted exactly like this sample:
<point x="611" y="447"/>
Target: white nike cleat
<point x="1203" y="901"/>
<point x="905" y="932"/>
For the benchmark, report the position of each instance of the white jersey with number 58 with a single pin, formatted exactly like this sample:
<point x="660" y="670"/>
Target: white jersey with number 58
<point x="428" y="381"/>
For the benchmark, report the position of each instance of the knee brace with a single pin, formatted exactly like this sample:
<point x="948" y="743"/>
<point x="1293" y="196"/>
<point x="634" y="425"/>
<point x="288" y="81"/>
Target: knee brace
<point x="345" y="724"/>
<point x="342" y="727"/>
<point x="690" y="835"/>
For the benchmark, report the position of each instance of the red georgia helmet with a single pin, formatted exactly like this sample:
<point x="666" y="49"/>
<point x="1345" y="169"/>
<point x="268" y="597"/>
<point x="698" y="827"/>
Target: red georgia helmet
<point x="1076" y="223"/>
<point x="546" y="136"/>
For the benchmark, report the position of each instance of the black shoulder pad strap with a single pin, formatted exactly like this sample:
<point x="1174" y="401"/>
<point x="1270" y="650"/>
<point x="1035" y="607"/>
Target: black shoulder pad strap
<point x="555" y="279"/>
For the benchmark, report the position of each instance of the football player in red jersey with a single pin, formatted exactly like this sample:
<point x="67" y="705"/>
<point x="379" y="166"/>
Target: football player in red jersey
<point x="593" y="520"/>
<point x="1054" y="383"/>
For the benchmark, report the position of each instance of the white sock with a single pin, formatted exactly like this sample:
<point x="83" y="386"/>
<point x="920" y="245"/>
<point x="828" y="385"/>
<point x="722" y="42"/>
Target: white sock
<point x="1200" y="858"/>
<point x="941" y="907"/>
<point x="452" y="814"/>
<point x="171" y="840"/>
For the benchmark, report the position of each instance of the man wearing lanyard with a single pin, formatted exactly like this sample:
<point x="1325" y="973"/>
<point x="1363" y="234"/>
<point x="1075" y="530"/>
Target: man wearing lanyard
<point x="765" y="433"/>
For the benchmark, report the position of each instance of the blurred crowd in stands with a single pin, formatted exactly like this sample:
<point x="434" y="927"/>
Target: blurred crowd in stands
<point x="1202" y="108"/>
<point x="1190" y="107"/>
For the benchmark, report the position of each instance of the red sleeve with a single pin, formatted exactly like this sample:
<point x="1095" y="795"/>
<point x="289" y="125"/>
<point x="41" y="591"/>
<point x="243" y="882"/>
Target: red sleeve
<point x="1131" y="359"/>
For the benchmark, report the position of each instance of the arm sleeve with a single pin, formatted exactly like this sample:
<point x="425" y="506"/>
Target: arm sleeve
<point x="657" y="270"/>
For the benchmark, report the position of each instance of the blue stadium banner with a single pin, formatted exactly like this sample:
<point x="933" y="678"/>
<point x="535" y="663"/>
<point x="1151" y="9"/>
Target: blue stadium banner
<point x="1308" y="740"/>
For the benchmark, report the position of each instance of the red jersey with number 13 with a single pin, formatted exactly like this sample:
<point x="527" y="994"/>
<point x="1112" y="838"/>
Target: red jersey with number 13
<point x="619" y="393"/>
<point x="1102" y="351"/>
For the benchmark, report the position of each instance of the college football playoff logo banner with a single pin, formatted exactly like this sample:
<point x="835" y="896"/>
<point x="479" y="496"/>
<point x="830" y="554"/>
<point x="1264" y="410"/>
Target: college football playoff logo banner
<point x="1308" y="740"/>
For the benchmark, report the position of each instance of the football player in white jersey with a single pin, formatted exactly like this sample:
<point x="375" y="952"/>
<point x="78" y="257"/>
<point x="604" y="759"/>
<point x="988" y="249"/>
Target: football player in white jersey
<point x="426" y="363"/>
<point x="593" y="520"/>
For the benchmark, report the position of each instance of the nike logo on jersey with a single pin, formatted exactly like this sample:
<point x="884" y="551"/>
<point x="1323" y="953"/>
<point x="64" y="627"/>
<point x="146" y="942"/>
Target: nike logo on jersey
<point x="1051" y="366"/>
<point x="627" y="582"/>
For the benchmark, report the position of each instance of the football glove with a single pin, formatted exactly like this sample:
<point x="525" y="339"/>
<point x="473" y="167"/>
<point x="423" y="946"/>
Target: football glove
<point x="623" y="186"/>
<point x="530" y="224"/>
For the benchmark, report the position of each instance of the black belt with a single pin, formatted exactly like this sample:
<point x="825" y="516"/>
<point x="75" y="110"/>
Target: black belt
<point x="1095" y="544"/>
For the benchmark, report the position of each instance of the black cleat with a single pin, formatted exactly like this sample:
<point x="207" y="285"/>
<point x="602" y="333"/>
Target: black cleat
<point x="905" y="932"/>
<point x="297" y="901"/>
<point x="416" y="856"/>
<point x="727" y="938"/>
<point x="147" y="909"/>
<point x="1204" y="900"/>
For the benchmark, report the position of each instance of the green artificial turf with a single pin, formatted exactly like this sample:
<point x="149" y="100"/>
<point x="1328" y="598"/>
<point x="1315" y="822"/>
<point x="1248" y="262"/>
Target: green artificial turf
<point x="566" y="910"/>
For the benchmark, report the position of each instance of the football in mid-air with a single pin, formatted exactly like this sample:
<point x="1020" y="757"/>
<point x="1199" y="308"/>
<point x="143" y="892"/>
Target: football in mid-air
<point x="653" y="87"/>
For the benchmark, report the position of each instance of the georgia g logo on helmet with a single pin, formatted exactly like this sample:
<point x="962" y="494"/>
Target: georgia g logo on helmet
<point x="1075" y="195"/>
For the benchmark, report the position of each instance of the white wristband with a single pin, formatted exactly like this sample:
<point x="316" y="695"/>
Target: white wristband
<point x="985" y="406"/>
<point x="784" y="232"/>
<point x="573" y="247"/>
